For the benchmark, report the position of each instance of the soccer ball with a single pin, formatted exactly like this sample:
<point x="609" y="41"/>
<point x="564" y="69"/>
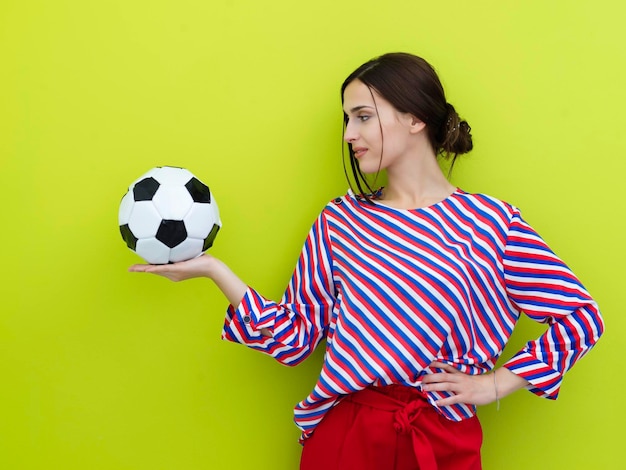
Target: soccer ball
<point x="168" y="215"/>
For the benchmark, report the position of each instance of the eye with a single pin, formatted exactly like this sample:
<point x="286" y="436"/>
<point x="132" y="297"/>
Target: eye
<point x="363" y="118"/>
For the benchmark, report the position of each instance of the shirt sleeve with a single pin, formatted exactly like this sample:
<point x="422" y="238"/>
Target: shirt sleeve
<point x="545" y="289"/>
<point x="300" y="320"/>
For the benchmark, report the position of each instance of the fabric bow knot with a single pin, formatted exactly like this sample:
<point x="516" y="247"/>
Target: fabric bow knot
<point x="405" y="416"/>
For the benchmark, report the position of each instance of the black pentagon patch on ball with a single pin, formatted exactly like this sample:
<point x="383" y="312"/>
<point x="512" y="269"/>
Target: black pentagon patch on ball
<point x="171" y="232"/>
<point x="208" y="241"/>
<point x="198" y="190"/>
<point x="129" y="238"/>
<point x="144" y="190"/>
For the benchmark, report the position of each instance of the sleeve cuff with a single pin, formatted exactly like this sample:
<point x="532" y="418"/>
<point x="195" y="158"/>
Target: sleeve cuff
<point x="244" y="322"/>
<point x="544" y="381"/>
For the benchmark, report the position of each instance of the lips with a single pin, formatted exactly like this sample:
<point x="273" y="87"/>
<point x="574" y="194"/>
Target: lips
<point x="359" y="151"/>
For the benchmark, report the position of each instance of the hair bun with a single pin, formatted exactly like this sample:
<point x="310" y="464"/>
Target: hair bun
<point x="457" y="137"/>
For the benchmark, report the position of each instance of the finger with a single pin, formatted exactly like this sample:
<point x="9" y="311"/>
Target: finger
<point x="453" y="382"/>
<point x="444" y="366"/>
<point x="453" y="400"/>
<point x="438" y="387"/>
<point x="438" y="364"/>
<point x="149" y="268"/>
<point x="436" y="377"/>
<point x="138" y="268"/>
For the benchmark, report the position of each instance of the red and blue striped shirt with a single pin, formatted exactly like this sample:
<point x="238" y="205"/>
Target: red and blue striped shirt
<point x="393" y="290"/>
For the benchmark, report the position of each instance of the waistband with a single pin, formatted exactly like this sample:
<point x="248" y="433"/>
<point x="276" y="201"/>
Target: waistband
<point x="407" y="404"/>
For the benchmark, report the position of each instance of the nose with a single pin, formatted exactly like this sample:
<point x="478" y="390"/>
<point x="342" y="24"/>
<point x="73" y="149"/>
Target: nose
<point x="349" y="134"/>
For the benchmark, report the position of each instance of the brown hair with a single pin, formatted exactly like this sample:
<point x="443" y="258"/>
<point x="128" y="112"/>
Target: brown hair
<point x="412" y="86"/>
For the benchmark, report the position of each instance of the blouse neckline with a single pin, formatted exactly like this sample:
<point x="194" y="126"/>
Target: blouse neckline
<point x="381" y="206"/>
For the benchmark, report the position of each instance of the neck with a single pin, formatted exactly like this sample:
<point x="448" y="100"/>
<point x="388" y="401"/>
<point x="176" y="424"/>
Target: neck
<point x="416" y="182"/>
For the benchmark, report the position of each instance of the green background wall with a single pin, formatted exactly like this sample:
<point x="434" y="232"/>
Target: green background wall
<point x="103" y="369"/>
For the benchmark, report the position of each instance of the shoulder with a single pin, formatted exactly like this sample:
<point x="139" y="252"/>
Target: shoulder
<point x="484" y="208"/>
<point x="477" y="202"/>
<point x="339" y="201"/>
<point x="335" y="207"/>
<point x="348" y="209"/>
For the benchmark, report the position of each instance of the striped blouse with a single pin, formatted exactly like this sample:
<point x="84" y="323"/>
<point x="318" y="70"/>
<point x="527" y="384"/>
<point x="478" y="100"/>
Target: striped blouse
<point x="393" y="290"/>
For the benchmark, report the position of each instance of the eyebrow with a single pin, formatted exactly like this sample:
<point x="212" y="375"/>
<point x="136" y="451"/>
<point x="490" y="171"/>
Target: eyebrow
<point x="359" y="108"/>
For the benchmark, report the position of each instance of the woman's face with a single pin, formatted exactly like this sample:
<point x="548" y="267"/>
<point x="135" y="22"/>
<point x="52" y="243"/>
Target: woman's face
<point x="379" y="134"/>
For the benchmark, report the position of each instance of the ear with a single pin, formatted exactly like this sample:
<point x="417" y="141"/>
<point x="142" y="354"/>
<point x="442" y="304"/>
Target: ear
<point x="416" y="125"/>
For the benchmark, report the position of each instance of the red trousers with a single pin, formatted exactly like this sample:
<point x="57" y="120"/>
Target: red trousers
<point x="391" y="428"/>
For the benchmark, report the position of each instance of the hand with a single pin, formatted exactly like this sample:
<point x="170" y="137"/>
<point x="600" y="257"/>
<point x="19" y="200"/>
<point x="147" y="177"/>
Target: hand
<point x="196" y="267"/>
<point x="468" y="389"/>
<point x="202" y="266"/>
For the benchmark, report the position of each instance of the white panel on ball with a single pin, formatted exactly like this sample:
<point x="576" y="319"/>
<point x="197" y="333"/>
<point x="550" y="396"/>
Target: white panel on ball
<point x="190" y="248"/>
<point x="153" y="251"/>
<point x="172" y="202"/>
<point x="200" y="219"/>
<point x="173" y="176"/>
<point x="144" y="219"/>
<point x="126" y="207"/>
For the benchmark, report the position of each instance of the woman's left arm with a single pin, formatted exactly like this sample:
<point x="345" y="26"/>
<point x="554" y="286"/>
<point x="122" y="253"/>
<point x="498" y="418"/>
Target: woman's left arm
<point x="542" y="286"/>
<point x="545" y="289"/>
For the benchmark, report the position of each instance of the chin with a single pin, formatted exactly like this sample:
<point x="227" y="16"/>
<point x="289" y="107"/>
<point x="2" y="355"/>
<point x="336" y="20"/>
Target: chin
<point x="370" y="169"/>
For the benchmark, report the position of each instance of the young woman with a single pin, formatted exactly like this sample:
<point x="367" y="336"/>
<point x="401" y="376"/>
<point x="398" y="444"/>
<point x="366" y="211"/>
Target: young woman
<point x="416" y="288"/>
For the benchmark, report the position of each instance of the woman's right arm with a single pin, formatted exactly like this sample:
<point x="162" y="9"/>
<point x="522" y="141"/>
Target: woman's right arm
<point x="288" y="330"/>
<point x="301" y="319"/>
